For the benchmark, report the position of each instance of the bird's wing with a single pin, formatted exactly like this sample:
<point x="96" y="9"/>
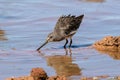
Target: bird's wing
<point x="67" y="25"/>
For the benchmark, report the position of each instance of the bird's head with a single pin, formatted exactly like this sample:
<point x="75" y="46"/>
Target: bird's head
<point x="50" y="38"/>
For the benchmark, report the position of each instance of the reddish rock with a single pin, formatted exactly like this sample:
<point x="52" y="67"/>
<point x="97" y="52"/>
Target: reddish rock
<point x="38" y="74"/>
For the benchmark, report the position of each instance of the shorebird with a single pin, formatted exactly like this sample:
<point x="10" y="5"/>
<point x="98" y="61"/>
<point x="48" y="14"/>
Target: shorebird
<point x="65" y="28"/>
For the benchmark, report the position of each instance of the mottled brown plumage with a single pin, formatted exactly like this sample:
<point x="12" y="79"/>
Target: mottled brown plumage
<point x="65" y="28"/>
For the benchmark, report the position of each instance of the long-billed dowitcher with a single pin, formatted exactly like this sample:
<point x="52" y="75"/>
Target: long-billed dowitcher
<point x="65" y="28"/>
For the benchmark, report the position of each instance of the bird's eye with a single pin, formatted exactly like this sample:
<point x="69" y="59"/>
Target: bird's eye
<point x="50" y="36"/>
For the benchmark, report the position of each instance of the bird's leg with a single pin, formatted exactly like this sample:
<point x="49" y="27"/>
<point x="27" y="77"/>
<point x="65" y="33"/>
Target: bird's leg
<point x="65" y="43"/>
<point x="70" y="42"/>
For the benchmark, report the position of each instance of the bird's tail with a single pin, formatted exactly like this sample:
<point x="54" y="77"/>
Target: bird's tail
<point x="80" y="17"/>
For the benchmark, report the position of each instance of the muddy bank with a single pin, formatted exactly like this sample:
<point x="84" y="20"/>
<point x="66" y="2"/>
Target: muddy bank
<point x="109" y="43"/>
<point x="38" y="74"/>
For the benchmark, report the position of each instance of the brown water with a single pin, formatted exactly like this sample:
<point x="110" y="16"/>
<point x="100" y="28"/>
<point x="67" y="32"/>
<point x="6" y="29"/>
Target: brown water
<point x="25" y="24"/>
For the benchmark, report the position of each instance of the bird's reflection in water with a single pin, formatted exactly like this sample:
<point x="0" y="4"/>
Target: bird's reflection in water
<point x="114" y="54"/>
<point x="68" y="51"/>
<point x="2" y="35"/>
<point x="63" y="65"/>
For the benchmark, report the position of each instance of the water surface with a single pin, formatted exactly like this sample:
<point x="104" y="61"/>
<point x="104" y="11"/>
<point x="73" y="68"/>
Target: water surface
<point x="24" y="25"/>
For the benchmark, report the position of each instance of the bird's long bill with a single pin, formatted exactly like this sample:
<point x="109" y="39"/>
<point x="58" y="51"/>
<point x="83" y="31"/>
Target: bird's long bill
<point x="42" y="45"/>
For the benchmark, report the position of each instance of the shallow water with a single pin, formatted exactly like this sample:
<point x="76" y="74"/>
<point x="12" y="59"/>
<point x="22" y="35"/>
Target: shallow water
<point x="24" y="25"/>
